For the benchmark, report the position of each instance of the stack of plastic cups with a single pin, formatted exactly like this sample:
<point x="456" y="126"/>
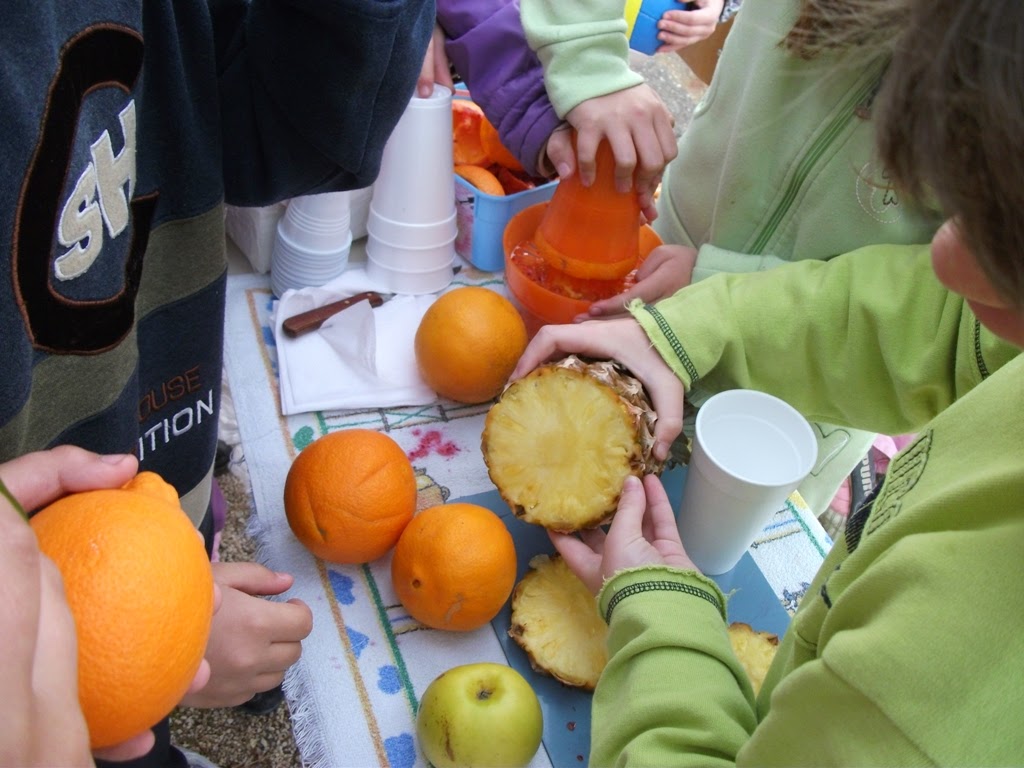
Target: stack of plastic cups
<point x="411" y="226"/>
<point x="312" y="243"/>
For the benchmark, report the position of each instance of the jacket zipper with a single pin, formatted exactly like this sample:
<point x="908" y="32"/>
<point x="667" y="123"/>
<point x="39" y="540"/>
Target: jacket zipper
<point x="809" y="160"/>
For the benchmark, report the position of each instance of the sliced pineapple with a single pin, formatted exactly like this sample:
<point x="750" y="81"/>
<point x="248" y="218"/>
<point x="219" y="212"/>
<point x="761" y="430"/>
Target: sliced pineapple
<point x="560" y="442"/>
<point x="555" y="620"/>
<point x="754" y="649"/>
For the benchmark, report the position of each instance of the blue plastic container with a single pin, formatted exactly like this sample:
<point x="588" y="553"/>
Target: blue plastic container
<point x="482" y="218"/>
<point x="642" y="17"/>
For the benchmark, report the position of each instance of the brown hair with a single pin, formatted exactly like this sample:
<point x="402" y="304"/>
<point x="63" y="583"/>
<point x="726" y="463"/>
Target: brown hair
<point x="843" y="25"/>
<point x="950" y="121"/>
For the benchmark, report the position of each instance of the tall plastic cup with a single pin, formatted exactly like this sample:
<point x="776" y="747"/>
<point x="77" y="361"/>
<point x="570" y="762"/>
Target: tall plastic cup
<point x="411" y="223"/>
<point x="750" y="451"/>
<point x="416" y="184"/>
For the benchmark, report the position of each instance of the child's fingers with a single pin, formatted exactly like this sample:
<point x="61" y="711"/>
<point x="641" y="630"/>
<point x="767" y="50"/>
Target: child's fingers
<point x="660" y="515"/>
<point x="22" y="581"/>
<point x="580" y="558"/>
<point x="36" y="479"/>
<point x="628" y="520"/>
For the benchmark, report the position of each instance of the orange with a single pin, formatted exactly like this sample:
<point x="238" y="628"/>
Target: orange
<point x="349" y="494"/>
<point x="481" y="178"/>
<point x="454" y="566"/>
<point x="490" y="141"/>
<point x="468" y="343"/>
<point x="466" y="146"/>
<point x="140" y="589"/>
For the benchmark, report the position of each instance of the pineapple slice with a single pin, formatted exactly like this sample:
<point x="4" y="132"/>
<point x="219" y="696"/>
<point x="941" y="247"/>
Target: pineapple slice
<point x="555" y="620"/>
<point x="754" y="649"/>
<point x="560" y="442"/>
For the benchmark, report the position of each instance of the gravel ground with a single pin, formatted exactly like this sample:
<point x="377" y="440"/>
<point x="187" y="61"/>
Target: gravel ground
<point x="234" y="739"/>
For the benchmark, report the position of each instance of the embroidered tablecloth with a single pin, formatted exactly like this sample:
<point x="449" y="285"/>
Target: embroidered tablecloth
<point x="354" y="693"/>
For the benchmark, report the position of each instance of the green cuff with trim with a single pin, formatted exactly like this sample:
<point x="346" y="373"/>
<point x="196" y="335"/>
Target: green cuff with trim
<point x="652" y="580"/>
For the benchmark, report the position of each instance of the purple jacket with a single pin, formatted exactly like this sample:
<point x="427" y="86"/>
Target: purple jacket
<point x="487" y="45"/>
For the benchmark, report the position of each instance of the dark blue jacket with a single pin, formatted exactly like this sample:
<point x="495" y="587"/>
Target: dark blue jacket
<point x="127" y="125"/>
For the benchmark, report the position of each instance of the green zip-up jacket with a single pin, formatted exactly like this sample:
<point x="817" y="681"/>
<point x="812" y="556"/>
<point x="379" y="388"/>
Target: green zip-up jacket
<point x="777" y="163"/>
<point x="908" y="648"/>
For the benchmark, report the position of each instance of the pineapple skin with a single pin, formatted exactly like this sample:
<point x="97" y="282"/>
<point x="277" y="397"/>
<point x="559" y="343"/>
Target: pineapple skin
<point x="556" y="622"/>
<point x="560" y="442"/>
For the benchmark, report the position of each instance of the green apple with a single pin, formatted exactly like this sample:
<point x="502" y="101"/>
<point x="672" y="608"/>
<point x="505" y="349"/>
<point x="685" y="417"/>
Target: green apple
<point x="483" y="715"/>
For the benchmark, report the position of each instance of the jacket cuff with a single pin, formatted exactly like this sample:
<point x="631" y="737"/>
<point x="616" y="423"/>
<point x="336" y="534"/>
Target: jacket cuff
<point x="650" y="580"/>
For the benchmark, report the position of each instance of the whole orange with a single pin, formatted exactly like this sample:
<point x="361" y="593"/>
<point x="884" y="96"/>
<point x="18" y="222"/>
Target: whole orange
<point x="349" y="495"/>
<point x="454" y="566"/>
<point x="140" y="588"/>
<point x="468" y="343"/>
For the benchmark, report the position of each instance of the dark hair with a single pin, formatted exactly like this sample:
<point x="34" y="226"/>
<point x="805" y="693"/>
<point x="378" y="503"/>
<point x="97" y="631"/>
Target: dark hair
<point x="950" y="122"/>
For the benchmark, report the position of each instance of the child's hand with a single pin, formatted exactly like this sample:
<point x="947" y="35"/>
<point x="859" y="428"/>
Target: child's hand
<point x="436" y="68"/>
<point x="41" y="722"/>
<point x="666" y="269"/>
<point x="253" y="640"/>
<point x="643" y="532"/>
<point x="678" y="29"/>
<point x="639" y="128"/>
<point x="624" y="340"/>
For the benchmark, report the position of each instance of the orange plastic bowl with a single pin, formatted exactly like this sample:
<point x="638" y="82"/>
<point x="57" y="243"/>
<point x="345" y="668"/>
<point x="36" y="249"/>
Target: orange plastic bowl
<point x="539" y="305"/>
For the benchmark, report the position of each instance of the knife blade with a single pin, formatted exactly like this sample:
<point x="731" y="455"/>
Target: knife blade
<point x="296" y="325"/>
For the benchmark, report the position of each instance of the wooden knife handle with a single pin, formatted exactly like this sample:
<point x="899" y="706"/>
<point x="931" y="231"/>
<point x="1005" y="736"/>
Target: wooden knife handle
<point x="314" y="318"/>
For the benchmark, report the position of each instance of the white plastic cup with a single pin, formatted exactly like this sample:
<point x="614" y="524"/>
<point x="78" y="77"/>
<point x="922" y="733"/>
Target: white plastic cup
<point x="402" y="234"/>
<point x="750" y="451"/>
<point x="416" y="183"/>
<point x="292" y="266"/>
<point x="318" y="222"/>
<point x="411" y="259"/>
<point x="406" y="281"/>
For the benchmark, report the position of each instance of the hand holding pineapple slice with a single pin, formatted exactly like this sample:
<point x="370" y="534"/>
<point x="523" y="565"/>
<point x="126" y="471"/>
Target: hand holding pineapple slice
<point x="555" y="620"/>
<point x="560" y="442"/>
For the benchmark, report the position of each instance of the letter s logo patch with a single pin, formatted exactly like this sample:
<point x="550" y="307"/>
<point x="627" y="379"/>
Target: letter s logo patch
<point x="101" y="56"/>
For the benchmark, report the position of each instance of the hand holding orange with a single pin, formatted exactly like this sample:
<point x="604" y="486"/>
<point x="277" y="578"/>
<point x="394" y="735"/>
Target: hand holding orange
<point x="140" y="587"/>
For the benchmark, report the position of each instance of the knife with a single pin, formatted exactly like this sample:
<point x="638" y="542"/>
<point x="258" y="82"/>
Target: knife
<point x="296" y="325"/>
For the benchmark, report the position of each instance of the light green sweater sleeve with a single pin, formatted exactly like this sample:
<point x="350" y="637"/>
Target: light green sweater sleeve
<point x="582" y="46"/>
<point x="695" y="705"/>
<point x="674" y="694"/>
<point x="869" y="339"/>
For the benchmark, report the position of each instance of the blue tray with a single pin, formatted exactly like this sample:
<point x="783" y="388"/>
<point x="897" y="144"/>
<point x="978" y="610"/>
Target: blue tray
<point x="567" y="710"/>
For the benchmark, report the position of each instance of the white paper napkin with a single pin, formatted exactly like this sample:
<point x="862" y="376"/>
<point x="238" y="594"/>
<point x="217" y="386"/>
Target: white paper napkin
<point x="360" y="358"/>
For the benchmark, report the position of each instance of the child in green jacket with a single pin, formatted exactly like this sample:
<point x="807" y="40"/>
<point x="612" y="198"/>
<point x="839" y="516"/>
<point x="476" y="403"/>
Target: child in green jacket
<point x="776" y="165"/>
<point x="907" y="648"/>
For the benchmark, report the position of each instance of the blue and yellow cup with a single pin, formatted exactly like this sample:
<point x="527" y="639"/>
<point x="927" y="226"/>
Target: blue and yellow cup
<point x="642" y="17"/>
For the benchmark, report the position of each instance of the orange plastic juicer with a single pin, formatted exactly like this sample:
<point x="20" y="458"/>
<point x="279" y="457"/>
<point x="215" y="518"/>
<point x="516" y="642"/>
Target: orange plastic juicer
<point x="582" y="246"/>
<point x="591" y="232"/>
